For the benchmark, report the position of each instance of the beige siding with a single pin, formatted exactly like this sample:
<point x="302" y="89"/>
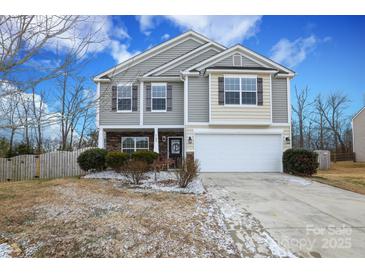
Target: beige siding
<point x="189" y="131"/>
<point x="174" y="117"/>
<point x="249" y="114"/>
<point x="359" y="136"/>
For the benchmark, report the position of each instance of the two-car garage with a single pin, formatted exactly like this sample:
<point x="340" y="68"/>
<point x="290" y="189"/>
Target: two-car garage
<point x="235" y="151"/>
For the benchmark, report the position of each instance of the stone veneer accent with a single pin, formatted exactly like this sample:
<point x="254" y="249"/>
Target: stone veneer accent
<point x="114" y="139"/>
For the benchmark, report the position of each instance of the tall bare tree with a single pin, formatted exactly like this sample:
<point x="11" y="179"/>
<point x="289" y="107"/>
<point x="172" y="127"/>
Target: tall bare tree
<point x="333" y="113"/>
<point x="301" y="111"/>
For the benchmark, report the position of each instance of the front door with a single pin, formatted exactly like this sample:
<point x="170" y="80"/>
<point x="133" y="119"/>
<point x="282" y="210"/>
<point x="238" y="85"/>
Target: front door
<point x="175" y="151"/>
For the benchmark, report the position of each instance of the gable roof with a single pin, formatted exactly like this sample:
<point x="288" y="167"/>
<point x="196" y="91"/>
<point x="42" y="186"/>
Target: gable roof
<point x="258" y="58"/>
<point x="186" y="57"/>
<point x="155" y="50"/>
<point x="358" y="113"/>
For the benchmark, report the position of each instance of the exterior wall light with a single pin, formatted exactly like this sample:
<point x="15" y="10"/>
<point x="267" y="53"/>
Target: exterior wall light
<point x="190" y="140"/>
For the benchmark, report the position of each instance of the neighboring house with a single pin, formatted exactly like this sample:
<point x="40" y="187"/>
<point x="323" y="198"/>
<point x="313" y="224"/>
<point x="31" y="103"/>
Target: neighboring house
<point x="192" y="97"/>
<point x="358" y="135"/>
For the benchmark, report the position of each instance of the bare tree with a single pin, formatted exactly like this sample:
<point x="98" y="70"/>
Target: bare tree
<point x="333" y="113"/>
<point x="10" y="114"/>
<point x="23" y="37"/>
<point x="301" y="110"/>
<point x="76" y="105"/>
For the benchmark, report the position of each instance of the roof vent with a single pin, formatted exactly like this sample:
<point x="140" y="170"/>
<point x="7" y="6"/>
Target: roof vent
<point x="237" y="60"/>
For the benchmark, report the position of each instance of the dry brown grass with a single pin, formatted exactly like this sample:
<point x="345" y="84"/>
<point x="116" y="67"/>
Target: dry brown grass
<point x="96" y="218"/>
<point x="346" y="175"/>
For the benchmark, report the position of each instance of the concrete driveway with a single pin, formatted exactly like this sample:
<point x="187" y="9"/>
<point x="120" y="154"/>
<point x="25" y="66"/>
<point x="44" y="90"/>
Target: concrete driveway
<point x="278" y="215"/>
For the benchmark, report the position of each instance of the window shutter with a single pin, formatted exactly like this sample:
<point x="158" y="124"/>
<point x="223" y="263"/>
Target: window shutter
<point x="260" y="95"/>
<point x="221" y="90"/>
<point x="134" y="98"/>
<point x="148" y="97"/>
<point x="169" y="98"/>
<point x="114" y="98"/>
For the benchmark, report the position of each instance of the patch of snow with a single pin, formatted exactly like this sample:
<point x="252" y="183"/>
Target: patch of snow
<point x="5" y="250"/>
<point x="298" y="181"/>
<point x="195" y="187"/>
<point x="108" y="174"/>
<point x="275" y="248"/>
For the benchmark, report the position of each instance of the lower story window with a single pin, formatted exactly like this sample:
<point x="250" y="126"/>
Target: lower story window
<point x="132" y="144"/>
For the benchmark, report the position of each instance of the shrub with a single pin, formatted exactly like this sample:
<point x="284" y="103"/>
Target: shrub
<point x="135" y="171"/>
<point x="92" y="159"/>
<point x="116" y="159"/>
<point x="300" y="162"/>
<point x="188" y="172"/>
<point x="146" y="156"/>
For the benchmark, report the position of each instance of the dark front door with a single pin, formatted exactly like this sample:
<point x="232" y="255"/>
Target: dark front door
<point x="175" y="151"/>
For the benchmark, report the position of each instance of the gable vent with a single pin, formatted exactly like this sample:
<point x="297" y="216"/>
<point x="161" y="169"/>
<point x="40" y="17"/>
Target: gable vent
<point x="237" y="60"/>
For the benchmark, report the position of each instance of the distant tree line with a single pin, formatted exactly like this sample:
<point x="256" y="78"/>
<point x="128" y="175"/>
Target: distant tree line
<point x="321" y="123"/>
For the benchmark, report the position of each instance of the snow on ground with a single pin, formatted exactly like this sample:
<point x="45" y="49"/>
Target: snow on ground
<point x="5" y="250"/>
<point x="164" y="181"/>
<point x="249" y="235"/>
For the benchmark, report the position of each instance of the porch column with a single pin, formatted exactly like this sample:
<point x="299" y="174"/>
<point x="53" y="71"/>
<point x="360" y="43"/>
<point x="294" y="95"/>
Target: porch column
<point x="155" y="141"/>
<point x="101" y="138"/>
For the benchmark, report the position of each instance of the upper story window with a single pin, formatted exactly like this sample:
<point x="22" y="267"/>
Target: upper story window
<point x="124" y="97"/>
<point x="158" y="96"/>
<point x="240" y="90"/>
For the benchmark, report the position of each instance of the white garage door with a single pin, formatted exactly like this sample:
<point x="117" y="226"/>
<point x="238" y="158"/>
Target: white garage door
<point x="239" y="153"/>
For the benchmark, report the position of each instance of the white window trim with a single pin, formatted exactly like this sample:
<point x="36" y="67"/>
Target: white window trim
<point x="240" y="76"/>
<point x="131" y="97"/>
<point x="152" y="97"/>
<point x="135" y="143"/>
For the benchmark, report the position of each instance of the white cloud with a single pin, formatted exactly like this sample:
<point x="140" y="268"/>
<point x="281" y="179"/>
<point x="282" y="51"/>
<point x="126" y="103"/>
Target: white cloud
<point x="146" y="23"/>
<point x="105" y="34"/>
<point x="165" y="36"/>
<point x="120" y="51"/>
<point x="291" y="53"/>
<point x="227" y="30"/>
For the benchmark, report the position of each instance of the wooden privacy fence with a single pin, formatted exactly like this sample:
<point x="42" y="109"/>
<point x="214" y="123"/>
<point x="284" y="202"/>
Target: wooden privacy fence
<point x="55" y="164"/>
<point x="346" y="156"/>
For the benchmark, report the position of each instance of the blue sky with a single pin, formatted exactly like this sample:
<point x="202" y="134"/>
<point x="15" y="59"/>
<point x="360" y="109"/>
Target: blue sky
<point x="327" y="52"/>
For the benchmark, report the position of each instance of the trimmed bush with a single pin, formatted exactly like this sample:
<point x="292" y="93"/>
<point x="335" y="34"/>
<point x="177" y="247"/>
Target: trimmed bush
<point x="145" y="156"/>
<point x="116" y="160"/>
<point x="135" y="171"/>
<point x="300" y="162"/>
<point x="92" y="159"/>
<point x="187" y="173"/>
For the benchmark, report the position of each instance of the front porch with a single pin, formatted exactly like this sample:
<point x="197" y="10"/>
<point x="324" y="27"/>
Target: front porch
<point x="168" y="142"/>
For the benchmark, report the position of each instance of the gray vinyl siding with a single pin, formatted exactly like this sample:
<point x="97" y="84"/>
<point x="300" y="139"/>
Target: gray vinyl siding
<point x="191" y="62"/>
<point x="198" y="99"/>
<point x="228" y="61"/>
<point x="109" y="117"/>
<point x="174" y="117"/>
<point x="279" y="100"/>
<point x="156" y="61"/>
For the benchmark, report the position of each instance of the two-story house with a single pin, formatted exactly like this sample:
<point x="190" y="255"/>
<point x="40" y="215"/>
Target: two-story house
<point x="192" y="97"/>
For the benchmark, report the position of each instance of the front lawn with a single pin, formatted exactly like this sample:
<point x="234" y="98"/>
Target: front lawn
<point x="346" y="175"/>
<point x="98" y="218"/>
